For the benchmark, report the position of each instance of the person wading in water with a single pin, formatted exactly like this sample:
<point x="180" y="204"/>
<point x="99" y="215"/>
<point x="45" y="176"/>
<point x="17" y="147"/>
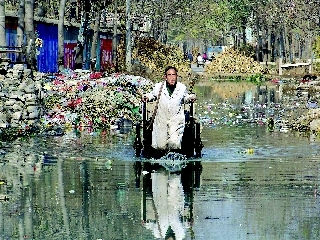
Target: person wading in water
<point x="169" y="121"/>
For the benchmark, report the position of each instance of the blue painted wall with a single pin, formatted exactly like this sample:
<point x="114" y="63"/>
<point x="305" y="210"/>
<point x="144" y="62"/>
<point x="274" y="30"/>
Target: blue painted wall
<point x="48" y="54"/>
<point x="11" y="36"/>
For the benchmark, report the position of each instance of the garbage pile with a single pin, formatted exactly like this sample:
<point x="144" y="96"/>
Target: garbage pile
<point x="84" y="99"/>
<point x="304" y="115"/>
<point x="233" y="62"/>
<point x="155" y="56"/>
<point x="19" y="98"/>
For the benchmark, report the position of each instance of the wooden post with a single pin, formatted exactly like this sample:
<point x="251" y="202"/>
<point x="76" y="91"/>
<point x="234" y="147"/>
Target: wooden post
<point x="280" y="66"/>
<point x="310" y="66"/>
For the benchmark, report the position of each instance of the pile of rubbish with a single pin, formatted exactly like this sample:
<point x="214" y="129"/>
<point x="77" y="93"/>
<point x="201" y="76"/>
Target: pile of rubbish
<point x="84" y="99"/>
<point x="304" y="114"/>
<point x="154" y="55"/>
<point x="233" y="62"/>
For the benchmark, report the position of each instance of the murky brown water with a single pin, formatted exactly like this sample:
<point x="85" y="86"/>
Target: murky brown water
<point x="251" y="183"/>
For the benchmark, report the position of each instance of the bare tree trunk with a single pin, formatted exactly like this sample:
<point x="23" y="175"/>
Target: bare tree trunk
<point x="273" y="42"/>
<point x="293" y="47"/>
<point x="265" y="44"/>
<point x="2" y="23"/>
<point x="81" y="41"/>
<point x="30" y="36"/>
<point x="269" y="45"/>
<point x="114" y="37"/>
<point x="61" y="34"/>
<point x="244" y="37"/>
<point x="20" y="30"/>
<point x="300" y="47"/>
<point x="287" y="44"/>
<point x="259" y="43"/>
<point x="95" y="39"/>
<point x="128" y="36"/>
<point x="282" y="46"/>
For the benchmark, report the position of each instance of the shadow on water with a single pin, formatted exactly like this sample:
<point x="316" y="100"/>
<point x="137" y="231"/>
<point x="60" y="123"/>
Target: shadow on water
<point x="253" y="182"/>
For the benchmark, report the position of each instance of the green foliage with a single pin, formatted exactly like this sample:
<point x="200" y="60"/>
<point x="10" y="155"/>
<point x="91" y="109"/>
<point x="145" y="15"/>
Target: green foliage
<point x="316" y="49"/>
<point x="235" y="78"/>
<point x="240" y="11"/>
<point x="257" y="79"/>
<point x="206" y="20"/>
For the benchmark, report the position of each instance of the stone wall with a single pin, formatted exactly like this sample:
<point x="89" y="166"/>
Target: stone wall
<point x="20" y="97"/>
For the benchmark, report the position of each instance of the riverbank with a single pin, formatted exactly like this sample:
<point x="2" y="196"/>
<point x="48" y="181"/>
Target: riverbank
<point x="44" y="103"/>
<point x="38" y="103"/>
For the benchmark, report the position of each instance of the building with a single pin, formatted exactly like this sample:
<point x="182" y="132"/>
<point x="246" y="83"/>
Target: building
<point x="47" y="30"/>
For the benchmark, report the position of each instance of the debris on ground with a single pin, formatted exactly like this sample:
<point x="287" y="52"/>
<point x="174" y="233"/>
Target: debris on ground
<point x="232" y="61"/>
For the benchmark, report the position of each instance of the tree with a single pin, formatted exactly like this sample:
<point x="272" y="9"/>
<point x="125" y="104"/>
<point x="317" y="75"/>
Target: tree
<point x="2" y="23"/>
<point x="61" y="34"/>
<point x="84" y="33"/>
<point x="240" y="11"/>
<point x="95" y="38"/>
<point x="128" y="35"/>
<point x="114" y="36"/>
<point x="201" y="20"/>
<point x="30" y="34"/>
<point x="20" y="30"/>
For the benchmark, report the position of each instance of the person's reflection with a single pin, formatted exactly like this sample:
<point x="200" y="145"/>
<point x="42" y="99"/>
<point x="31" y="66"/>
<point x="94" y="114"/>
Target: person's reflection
<point x="168" y="199"/>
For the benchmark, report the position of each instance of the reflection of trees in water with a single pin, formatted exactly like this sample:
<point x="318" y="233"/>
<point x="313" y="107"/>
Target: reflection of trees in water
<point x="167" y="204"/>
<point x="238" y="90"/>
<point x="17" y="214"/>
<point x="222" y="103"/>
<point x="225" y="90"/>
<point x="19" y="167"/>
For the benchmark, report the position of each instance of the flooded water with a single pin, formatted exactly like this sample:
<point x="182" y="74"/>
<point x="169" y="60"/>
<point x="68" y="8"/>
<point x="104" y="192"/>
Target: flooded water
<point x="253" y="181"/>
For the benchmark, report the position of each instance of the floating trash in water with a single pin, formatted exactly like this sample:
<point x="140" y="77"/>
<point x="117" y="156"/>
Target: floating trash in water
<point x="4" y="198"/>
<point x="144" y="172"/>
<point x="2" y="182"/>
<point x="250" y="151"/>
<point x="72" y="191"/>
<point x="108" y="164"/>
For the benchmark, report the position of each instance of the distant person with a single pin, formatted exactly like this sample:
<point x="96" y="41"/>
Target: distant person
<point x="185" y="55"/>
<point x="200" y="60"/>
<point x="190" y="57"/>
<point x="204" y="56"/>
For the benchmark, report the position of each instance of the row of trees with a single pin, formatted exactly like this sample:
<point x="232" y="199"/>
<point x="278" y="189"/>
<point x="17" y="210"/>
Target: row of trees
<point x="280" y="28"/>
